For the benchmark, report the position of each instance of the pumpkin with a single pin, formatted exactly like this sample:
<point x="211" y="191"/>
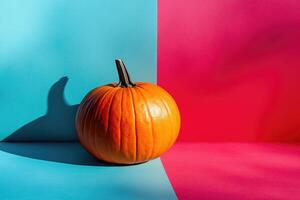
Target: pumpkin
<point x="127" y="122"/>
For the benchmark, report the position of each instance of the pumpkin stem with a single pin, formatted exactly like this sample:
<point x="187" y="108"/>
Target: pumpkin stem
<point x="123" y="74"/>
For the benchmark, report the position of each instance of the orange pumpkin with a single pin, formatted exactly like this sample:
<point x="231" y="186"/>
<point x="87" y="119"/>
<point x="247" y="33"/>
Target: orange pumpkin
<point x="127" y="122"/>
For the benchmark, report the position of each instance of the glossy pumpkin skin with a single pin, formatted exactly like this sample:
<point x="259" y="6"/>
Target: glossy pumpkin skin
<point x="128" y="125"/>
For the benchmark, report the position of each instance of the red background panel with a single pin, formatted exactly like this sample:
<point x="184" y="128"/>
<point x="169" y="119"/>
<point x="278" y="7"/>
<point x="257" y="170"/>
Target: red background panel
<point x="233" y="67"/>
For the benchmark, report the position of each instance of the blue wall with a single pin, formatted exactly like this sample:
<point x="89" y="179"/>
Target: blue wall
<point x="53" y="52"/>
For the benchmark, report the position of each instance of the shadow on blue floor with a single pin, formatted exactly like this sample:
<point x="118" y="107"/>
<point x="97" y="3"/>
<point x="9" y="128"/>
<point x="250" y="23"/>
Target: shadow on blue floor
<point x="64" y="152"/>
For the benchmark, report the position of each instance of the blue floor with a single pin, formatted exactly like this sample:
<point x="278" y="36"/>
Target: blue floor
<point x="66" y="171"/>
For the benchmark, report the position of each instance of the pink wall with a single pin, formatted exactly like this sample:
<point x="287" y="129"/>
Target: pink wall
<point x="233" y="66"/>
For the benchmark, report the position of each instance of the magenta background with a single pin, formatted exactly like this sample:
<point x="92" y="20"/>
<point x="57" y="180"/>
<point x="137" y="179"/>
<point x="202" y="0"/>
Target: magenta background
<point x="233" y="67"/>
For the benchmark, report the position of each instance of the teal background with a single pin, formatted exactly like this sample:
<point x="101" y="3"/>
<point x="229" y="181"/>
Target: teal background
<point x="42" y="41"/>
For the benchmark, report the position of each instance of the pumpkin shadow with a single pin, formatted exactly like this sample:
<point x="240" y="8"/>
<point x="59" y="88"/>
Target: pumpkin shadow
<point x="52" y="137"/>
<point x="61" y="152"/>
<point x="58" y="124"/>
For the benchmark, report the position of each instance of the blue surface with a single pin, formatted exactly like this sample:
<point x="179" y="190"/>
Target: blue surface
<point x="74" y="174"/>
<point x="42" y="41"/>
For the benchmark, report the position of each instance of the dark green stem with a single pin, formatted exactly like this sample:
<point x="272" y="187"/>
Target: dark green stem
<point x="123" y="74"/>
